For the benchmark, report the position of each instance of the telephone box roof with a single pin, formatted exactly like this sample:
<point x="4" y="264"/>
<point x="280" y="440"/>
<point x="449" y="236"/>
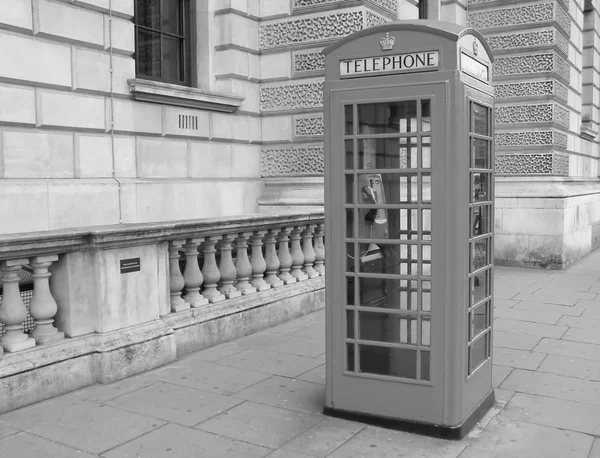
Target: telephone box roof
<point x="444" y="29"/>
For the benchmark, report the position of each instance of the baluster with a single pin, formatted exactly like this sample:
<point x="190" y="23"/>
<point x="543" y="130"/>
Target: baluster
<point x="227" y="268"/>
<point x="297" y="255"/>
<point x="285" y="258"/>
<point x="192" y="274"/>
<point x="242" y="264"/>
<point x="176" y="279"/>
<point x="258" y="262"/>
<point x="12" y="309"/>
<point x="43" y="307"/>
<point x="309" y="251"/>
<point x="319" y="250"/>
<point x="271" y="259"/>
<point x="210" y="271"/>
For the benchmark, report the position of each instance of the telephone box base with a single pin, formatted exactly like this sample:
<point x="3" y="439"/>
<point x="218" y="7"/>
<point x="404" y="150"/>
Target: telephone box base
<point x="425" y="429"/>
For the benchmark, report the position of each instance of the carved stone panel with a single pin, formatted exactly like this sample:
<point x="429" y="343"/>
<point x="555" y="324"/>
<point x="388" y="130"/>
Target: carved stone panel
<point x="531" y="138"/>
<point x="307" y="62"/>
<point x="296" y="96"/>
<point x="532" y="164"/>
<point x="526" y="14"/>
<point x="308" y="126"/>
<point x="533" y="63"/>
<point x="531" y="89"/>
<point x="540" y="112"/>
<point x="516" y="40"/>
<point x="292" y="162"/>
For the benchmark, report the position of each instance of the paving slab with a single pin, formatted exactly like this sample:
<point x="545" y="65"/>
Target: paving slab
<point x="178" y="441"/>
<point x="579" y="322"/>
<point x="271" y="362"/>
<point x="595" y="451"/>
<point x="378" y="443"/>
<point x="592" y="309"/>
<point x="174" y="403"/>
<point x="499" y="374"/>
<point x="301" y="346"/>
<point x="541" y="410"/>
<point x="6" y="431"/>
<point x="292" y="394"/>
<point x="571" y="282"/>
<point x="316" y="375"/>
<point x="503" y="396"/>
<point x="554" y="386"/>
<point x="515" y="340"/>
<point x="544" y="308"/>
<point x="102" y="393"/>
<point x="522" y="359"/>
<point x="573" y="367"/>
<point x="324" y="438"/>
<point x="27" y="445"/>
<point x="513" y="322"/>
<point x="283" y="453"/>
<point x="260" y="424"/>
<point x="549" y="318"/>
<point x="582" y="335"/>
<point x="556" y="299"/>
<point x="80" y="423"/>
<point x="233" y="347"/>
<point x="206" y="376"/>
<point x="569" y="348"/>
<point x="507" y="438"/>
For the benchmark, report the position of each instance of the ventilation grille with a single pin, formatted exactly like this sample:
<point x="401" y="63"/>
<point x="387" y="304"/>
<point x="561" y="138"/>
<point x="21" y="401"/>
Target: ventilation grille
<point x="188" y="122"/>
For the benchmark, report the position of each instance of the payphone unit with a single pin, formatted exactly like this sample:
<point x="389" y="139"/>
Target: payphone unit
<point x="409" y="220"/>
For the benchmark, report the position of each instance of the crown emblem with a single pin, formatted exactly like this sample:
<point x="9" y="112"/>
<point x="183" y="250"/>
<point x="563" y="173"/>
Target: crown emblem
<point x="387" y="42"/>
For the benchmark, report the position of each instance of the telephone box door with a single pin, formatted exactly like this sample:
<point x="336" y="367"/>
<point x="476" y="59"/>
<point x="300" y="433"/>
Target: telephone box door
<point x="389" y="210"/>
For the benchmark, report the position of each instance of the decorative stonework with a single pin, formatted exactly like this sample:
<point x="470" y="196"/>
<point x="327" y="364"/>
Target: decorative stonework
<point x="291" y="96"/>
<point x="372" y="19"/>
<point x="290" y="162"/>
<point x="304" y="62"/>
<point x="547" y="37"/>
<point x="563" y="20"/>
<point x="389" y="5"/>
<point x="530" y="138"/>
<point x="310" y="29"/>
<point x="532" y="164"/>
<point x="308" y="126"/>
<point x="525" y="89"/>
<point x="527" y="14"/>
<point x="535" y="63"/>
<point x="542" y="112"/>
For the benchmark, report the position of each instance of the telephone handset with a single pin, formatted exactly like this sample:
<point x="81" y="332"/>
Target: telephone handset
<point x="374" y="224"/>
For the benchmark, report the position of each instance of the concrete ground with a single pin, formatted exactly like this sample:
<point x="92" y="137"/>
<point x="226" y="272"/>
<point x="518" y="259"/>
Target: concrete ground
<point x="262" y="395"/>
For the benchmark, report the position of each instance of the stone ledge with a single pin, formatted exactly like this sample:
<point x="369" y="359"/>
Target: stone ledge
<point x="173" y="94"/>
<point x="47" y="371"/>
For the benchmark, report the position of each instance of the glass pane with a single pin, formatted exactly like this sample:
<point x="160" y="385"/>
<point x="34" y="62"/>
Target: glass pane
<point x="398" y="362"/>
<point x="387" y="118"/>
<point x="379" y="258"/>
<point x="480" y="150"/>
<point x="350" y="257"/>
<point x="480" y="220"/>
<point x="350" y="281"/>
<point x="147" y="13"/>
<point x="426" y="188"/>
<point x="349" y="194"/>
<point x="350" y="324"/>
<point x="171" y="16"/>
<point x="376" y="223"/>
<point x="349" y="154"/>
<point x="388" y="293"/>
<point x="408" y="295"/>
<point x="480" y="183"/>
<point x="426" y="260"/>
<point x="388" y="188"/>
<point x="480" y="287"/>
<point x="478" y="352"/>
<point x="348" y="119"/>
<point x="479" y="320"/>
<point x="408" y="152"/>
<point x="426" y="152"/>
<point x="479" y="116"/>
<point x="425" y="115"/>
<point x="386" y="327"/>
<point x="350" y="357"/>
<point x="408" y="188"/>
<point x="172" y="59"/>
<point x="425" y="296"/>
<point x="426" y="224"/>
<point x="425" y="365"/>
<point x="350" y="223"/>
<point x="479" y="254"/>
<point x="148" y="53"/>
<point x="425" y="332"/>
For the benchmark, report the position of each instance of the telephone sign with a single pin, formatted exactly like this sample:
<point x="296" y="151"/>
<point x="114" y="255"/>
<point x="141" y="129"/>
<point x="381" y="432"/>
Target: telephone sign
<point x="409" y="213"/>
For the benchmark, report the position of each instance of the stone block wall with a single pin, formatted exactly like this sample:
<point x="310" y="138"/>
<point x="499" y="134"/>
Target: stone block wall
<point x="76" y="149"/>
<point x="546" y="127"/>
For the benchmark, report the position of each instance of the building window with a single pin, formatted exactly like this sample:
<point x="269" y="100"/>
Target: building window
<point x="163" y="40"/>
<point x="422" y="9"/>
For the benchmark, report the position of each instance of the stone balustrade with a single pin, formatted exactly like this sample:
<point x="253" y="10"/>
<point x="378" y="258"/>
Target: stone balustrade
<point x="198" y="264"/>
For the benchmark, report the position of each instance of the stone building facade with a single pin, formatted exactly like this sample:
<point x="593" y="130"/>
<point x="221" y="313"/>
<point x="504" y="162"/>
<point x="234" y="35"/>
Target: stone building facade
<point x="87" y="138"/>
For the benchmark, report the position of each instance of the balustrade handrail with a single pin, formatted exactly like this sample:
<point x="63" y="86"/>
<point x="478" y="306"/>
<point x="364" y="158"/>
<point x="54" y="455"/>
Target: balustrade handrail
<point x="24" y="245"/>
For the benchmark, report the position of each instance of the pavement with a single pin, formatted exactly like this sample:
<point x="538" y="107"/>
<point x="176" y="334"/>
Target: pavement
<point x="262" y="395"/>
